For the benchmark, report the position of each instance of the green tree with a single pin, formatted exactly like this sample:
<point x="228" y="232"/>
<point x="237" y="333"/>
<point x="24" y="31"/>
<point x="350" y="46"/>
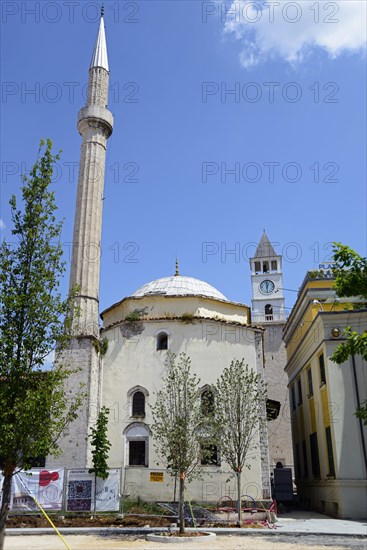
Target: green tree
<point x="350" y="273"/>
<point x="101" y="444"/>
<point x="178" y="425"/>
<point x="33" y="317"/>
<point x="101" y="447"/>
<point x="240" y="417"/>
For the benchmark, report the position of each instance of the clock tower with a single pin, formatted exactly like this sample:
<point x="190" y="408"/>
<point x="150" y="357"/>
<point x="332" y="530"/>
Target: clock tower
<point x="269" y="312"/>
<point x="267" y="284"/>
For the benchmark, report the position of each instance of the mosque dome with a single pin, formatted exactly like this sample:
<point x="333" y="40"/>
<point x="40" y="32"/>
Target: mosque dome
<point x="179" y="286"/>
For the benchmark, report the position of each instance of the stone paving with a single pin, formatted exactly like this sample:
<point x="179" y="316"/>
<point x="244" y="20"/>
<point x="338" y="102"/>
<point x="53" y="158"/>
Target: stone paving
<point x="312" y="522"/>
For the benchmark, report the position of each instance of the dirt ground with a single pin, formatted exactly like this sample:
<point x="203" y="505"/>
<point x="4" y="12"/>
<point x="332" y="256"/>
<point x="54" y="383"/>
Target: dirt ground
<point x="24" y="521"/>
<point x="89" y="542"/>
<point x="39" y="521"/>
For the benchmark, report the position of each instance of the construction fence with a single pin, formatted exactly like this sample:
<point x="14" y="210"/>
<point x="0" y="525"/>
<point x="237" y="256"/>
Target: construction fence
<point x="58" y="489"/>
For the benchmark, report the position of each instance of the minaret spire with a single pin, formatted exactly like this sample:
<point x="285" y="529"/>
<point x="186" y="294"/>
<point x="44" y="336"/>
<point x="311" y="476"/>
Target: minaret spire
<point x="100" y="57"/>
<point x="95" y="124"/>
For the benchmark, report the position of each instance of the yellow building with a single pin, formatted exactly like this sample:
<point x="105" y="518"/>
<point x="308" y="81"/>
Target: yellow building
<point x="329" y="441"/>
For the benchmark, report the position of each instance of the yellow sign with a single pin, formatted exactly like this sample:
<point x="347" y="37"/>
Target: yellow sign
<point x="156" y="476"/>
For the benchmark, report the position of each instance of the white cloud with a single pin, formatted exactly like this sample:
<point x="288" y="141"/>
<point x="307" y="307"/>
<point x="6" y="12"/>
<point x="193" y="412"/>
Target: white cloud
<point x="2" y="224"/>
<point x="265" y="28"/>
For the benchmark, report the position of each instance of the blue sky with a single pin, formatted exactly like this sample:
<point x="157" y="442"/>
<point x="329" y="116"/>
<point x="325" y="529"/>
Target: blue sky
<point x="178" y="133"/>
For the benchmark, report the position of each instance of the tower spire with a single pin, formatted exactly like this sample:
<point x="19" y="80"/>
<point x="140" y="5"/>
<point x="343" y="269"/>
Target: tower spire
<point x="100" y="57"/>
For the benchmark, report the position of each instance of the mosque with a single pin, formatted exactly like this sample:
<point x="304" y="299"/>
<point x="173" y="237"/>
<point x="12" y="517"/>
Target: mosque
<point x="176" y="314"/>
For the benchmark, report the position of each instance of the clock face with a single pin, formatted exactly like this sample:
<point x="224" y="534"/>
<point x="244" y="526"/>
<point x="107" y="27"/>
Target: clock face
<point x="267" y="286"/>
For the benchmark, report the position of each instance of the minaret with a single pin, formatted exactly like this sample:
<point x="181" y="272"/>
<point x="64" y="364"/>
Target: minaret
<point x="95" y="124"/>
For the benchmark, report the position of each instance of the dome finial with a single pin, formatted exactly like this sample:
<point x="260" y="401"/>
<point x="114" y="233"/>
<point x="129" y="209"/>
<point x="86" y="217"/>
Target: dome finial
<point x="102" y="9"/>
<point x="177" y="271"/>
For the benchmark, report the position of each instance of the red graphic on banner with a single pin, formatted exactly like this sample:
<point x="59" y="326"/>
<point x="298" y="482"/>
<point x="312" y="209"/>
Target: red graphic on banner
<point x="46" y="477"/>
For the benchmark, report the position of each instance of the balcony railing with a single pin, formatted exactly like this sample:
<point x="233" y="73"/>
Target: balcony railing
<point x="261" y="317"/>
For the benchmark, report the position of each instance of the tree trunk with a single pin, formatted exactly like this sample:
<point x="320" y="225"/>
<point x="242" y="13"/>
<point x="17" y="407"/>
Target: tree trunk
<point x="239" y="511"/>
<point x="95" y="492"/>
<point x="6" y="492"/>
<point x="175" y="490"/>
<point x="181" y="515"/>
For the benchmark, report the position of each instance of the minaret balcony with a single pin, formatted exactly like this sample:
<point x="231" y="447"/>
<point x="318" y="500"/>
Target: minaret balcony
<point x="97" y="115"/>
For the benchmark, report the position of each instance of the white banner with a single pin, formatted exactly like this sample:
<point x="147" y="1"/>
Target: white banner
<point x="108" y="492"/>
<point x="81" y="491"/>
<point x="46" y="485"/>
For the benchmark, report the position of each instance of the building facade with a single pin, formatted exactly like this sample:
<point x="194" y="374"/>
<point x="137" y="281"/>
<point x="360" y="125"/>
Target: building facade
<point x="329" y="442"/>
<point x="174" y="314"/>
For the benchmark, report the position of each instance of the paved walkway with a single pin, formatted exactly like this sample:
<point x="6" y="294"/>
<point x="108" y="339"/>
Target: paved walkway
<point x="120" y="542"/>
<point x="297" y="530"/>
<point x="311" y="522"/>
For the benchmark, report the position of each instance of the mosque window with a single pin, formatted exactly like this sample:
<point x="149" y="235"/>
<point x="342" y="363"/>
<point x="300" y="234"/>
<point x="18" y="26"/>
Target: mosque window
<point x="137" y="442"/>
<point x="210" y="454"/>
<point x="162" y="341"/>
<point x="137" y="398"/>
<point x="137" y="453"/>
<point x="207" y="403"/>
<point x="274" y="266"/>
<point x="138" y="404"/>
<point x="265" y="267"/>
<point x="257" y="267"/>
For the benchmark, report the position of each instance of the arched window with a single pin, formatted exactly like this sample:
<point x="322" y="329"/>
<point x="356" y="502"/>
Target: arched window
<point x="137" y="443"/>
<point x="162" y="341"/>
<point x="207" y="403"/>
<point x="268" y="312"/>
<point x="138" y="404"/>
<point x="136" y="398"/>
<point x="210" y="455"/>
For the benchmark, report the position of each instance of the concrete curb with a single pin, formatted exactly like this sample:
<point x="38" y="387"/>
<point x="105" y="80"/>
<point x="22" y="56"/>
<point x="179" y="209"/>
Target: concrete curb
<point x="209" y="537"/>
<point x="143" y="531"/>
